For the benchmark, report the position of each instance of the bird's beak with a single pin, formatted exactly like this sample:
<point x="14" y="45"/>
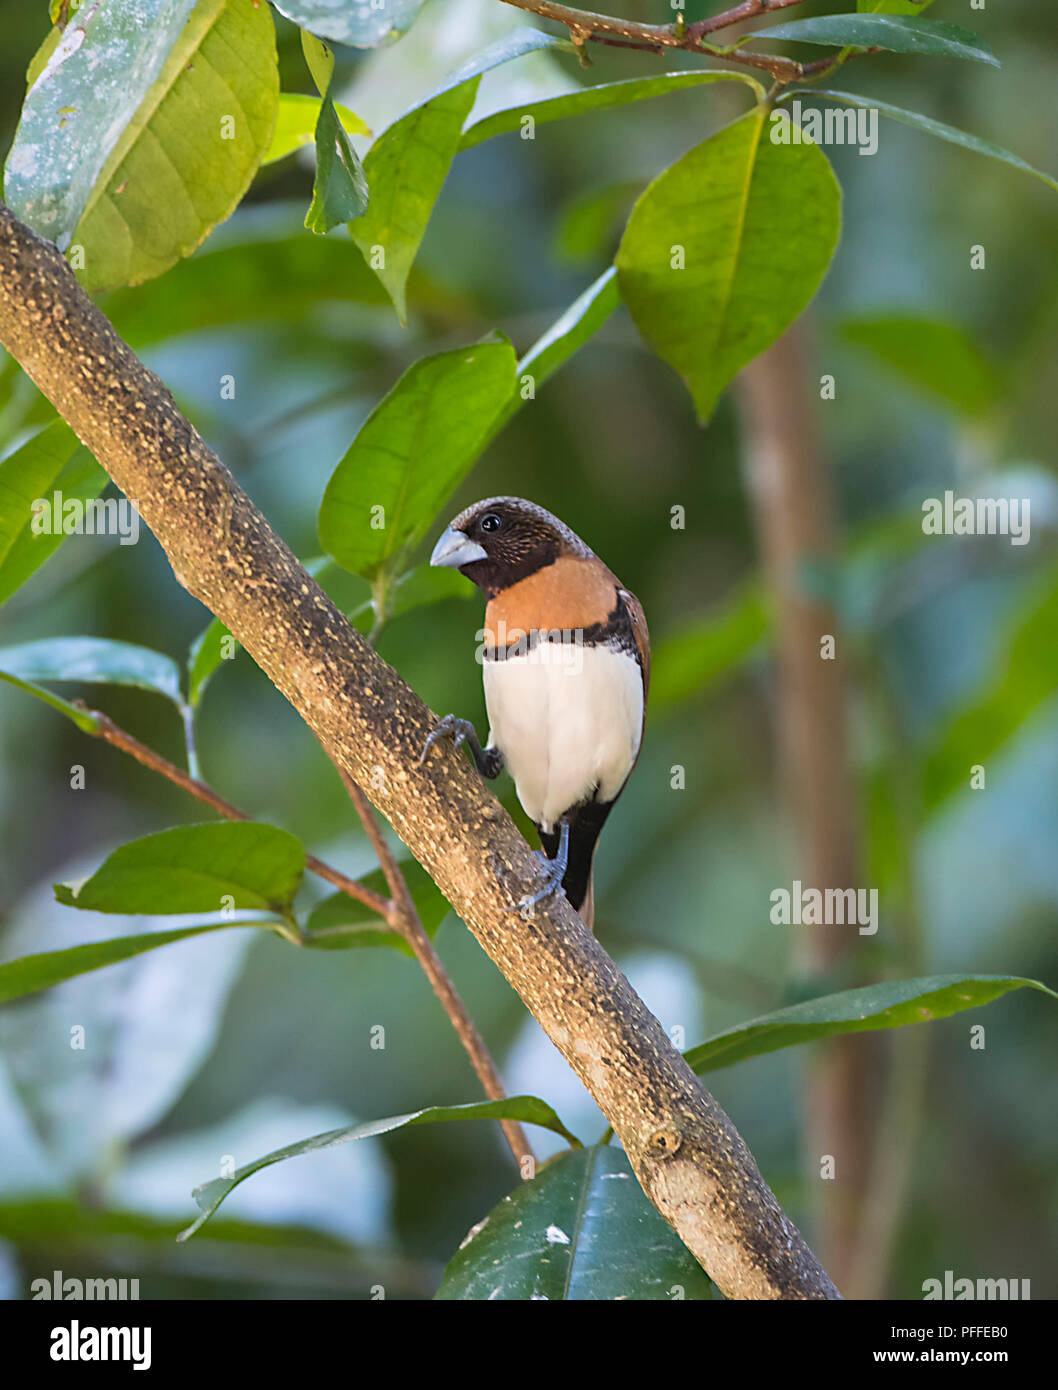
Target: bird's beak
<point x="455" y="549"/>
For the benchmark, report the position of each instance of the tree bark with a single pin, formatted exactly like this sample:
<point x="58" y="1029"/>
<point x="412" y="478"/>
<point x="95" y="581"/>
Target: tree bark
<point x="690" y="1160"/>
<point x="793" y="512"/>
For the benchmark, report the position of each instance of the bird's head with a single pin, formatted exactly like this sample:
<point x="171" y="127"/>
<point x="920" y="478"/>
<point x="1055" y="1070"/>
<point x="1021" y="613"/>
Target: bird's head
<point x="503" y="539"/>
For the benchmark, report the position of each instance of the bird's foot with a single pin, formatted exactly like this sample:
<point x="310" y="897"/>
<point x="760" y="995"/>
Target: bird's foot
<point x="458" y="730"/>
<point x="555" y="874"/>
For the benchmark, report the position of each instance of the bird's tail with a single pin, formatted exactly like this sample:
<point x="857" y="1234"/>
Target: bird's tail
<point x="586" y="911"/>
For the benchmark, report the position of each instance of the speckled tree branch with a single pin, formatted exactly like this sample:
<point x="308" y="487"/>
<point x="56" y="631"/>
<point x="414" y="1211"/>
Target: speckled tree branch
<point x="691" y="1161"/>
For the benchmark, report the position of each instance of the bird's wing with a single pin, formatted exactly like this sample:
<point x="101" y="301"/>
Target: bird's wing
<point x="640" y="633"/>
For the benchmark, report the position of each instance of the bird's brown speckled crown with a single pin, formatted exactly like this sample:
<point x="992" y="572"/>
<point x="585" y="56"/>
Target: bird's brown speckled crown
<point x="528" y="530"/>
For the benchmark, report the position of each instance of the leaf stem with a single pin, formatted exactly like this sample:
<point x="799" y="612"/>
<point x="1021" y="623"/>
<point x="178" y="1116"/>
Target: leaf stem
<point x="106" y="729"/>
<point x="407" y="921"/>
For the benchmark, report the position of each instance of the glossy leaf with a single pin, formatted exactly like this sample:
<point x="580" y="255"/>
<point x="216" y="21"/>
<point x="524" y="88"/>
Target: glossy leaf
<point x="94" y="660"/>
<point x="598" y="98"/>
<point x="893" y="6"/>
<point x="896" y="33"/>
<point x="30" y="974"/>
<point x="411" y="452"/>
<point x="51" y="465"/>
<point x="340" y="190"/>
<point x="183" y="148"/>
<point x="84" y="721"/>
<point x="88" y="82"/>
<point x="581" y="1229"/>
<point x="890" y="1005"/>
<point x="931" y="127"/>
<point x="204" y="657"/>
<point x="516" y="43"/>
<point x="361" y="23"/>
<point x="195" y="868"/>
<point x="754" y="224"/>
<point x="939" y="359"/>
<point x="296" y="122"/>
<point x="319" y="59"/>
<point x="405" y="169"/>
<point x="407" y="166"/>
<point x="526" y="1109"/>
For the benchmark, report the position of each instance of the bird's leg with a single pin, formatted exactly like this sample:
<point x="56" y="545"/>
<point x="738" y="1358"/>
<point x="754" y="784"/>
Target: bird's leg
<point x="556" y="872"/>
<point x="488" y="761"/>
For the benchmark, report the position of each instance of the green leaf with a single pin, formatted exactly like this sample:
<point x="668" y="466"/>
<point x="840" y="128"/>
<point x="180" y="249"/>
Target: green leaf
<point x="84" y="721"/>
<point x="1023" y="679"/>
<point x="598" y="98"/>
<point x="931" y="127"/>
<point x="411" y="452"/>
<point x="190" y="152"/>
<point x="939" y="359"/>
<point x="347" y="923"/>
<point x="700" y="653"/>
<point x="893" y="6"/>
<point x="205" y="656"/>
<point x="890" y="1005"/>
<point x="581" y="1229"/>
<point x="527" y="1109"/>
<point x="192" y="868"/>
<point x="756" y="222"/>
<point x="361" y="23"/>
<point x="319" y="59"/>
<point x="896" y="33"/>
<point x="51" y="465"/>
<point x="296" y="124"/>
<point x="95" y="660"/>
<point x="163" y="129"/>
<point x="406" y="168"/>
<point x="339" y="192"/>
<point x="86" y="86"/>
<point x="516" y="43"/>
<point x="30" y="974"/>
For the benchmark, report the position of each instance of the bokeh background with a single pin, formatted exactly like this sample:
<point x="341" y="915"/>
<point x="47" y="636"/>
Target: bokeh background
<point x="234" y="1045"/>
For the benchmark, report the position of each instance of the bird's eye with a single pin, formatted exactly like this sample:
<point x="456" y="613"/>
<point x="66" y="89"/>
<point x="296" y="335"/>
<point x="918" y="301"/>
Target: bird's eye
<point x="490" y="522"/>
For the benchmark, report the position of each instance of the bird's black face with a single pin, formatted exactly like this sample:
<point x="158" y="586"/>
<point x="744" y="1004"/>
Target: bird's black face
<point x="497" y="542"/>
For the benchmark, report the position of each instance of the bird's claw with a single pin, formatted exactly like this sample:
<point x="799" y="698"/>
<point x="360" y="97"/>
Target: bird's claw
<point x="458" y="730"/>
<point x="555" y="874"/>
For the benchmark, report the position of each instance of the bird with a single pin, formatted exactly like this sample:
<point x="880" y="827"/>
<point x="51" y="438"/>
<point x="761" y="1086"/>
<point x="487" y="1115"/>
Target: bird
<point x="565" y="656"/>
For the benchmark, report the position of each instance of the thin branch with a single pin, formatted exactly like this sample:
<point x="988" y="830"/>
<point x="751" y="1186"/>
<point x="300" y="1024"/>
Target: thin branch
<point x="407" y="921"/>
<point x="107" y="730"/>
<point x="585" y="26"/>
<point x="749" y="9"/>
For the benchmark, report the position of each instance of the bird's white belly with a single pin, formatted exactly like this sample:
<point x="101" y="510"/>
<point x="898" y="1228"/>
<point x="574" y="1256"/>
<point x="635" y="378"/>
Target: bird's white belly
<point x="567" y="723"/>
